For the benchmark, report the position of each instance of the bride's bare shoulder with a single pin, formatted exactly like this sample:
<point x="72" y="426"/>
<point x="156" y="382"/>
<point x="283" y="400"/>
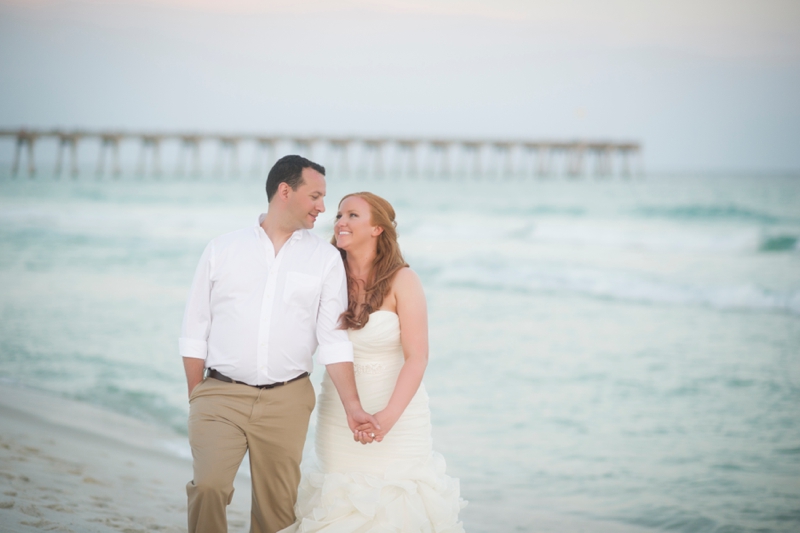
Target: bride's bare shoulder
<point x="406" y="275"/>
<point x="406" y="280"/>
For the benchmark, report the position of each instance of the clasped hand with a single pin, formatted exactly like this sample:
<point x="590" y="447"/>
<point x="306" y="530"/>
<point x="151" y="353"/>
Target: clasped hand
<point x="369" y="432"/>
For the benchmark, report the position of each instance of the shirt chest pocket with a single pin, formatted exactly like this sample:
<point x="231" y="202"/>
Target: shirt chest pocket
<point x="301" y="289"/>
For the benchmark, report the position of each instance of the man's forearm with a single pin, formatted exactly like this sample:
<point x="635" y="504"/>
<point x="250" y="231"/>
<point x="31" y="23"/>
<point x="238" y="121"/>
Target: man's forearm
<point x="345" y="382"/>
<point x="194" y="371"/>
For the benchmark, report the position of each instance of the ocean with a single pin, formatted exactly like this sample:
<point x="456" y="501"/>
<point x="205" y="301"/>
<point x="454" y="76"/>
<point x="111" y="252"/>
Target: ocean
<point x="606" y="354"/>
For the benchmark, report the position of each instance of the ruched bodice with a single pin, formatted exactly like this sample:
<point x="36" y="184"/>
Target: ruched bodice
<point x="377" y="351"/>
<point x="377" y="361"/>
<point x="398" y="484"/>
<point x="376" y="347"/>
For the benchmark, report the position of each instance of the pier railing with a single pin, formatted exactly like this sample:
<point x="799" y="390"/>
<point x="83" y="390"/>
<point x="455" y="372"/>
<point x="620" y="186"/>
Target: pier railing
<point x="346" y="155"/>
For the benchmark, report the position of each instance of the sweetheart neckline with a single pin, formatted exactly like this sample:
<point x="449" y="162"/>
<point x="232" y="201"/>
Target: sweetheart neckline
<point x="380" y="311"/>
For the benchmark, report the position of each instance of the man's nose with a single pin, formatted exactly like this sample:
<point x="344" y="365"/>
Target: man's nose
<point x="321" y="206"/>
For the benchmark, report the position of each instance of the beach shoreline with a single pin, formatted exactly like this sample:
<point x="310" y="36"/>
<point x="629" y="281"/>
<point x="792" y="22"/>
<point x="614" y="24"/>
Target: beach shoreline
<point x="69" y="466"/>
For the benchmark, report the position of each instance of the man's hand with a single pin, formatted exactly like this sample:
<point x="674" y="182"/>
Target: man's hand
<point x="194" y="372"/>
<point x="366" y="433"/>
<point x="358" y="418"/>
<point x="345" y="382"/>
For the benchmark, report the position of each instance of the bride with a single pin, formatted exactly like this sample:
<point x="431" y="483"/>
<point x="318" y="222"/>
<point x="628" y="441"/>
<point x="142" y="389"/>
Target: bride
<point x="397" y="483"/>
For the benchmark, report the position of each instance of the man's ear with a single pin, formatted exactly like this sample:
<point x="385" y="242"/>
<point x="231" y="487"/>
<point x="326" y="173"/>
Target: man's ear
<point x="283" y="191"/>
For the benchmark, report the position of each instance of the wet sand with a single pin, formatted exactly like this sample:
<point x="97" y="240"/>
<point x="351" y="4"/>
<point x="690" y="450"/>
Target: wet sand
<point x="68" y="466"/>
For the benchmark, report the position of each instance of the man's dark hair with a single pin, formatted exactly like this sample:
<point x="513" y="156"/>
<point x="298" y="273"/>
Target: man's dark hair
<point x="289" y="169"/>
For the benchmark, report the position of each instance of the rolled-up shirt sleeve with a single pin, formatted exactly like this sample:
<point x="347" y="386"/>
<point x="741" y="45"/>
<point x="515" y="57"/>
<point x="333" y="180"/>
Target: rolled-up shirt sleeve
<point x="334" y="345"/>
<point x="193" y="341"/>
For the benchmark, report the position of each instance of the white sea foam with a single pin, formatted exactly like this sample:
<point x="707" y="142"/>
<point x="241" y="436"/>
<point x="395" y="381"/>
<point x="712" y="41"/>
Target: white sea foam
<point x="648" y="238"/>
<point x="618" y="234"/>
<point x="177" y="447"/>
<point x="617" y="285"/>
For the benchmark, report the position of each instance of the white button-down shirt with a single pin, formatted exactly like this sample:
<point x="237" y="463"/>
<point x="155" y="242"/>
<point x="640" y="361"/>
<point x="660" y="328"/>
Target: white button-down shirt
<point x="257" y="317"/>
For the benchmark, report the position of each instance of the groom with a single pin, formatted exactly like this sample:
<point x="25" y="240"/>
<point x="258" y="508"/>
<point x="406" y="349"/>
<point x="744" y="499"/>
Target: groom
<point x="262" y="300"/>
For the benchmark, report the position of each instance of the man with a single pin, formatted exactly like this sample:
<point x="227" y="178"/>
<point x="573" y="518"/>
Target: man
<point x="262" y="300"/>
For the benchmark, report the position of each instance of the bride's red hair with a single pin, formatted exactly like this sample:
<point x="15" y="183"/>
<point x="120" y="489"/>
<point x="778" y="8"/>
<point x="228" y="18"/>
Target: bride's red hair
<point x="388" y="260"/>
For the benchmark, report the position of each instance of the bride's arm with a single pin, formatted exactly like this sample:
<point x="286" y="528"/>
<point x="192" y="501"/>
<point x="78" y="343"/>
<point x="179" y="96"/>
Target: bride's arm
<point x="413" y="313"/>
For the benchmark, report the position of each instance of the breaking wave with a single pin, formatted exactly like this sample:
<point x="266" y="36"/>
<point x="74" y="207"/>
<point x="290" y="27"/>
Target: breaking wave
<point x="616" y="285"/>
<point x="711" y="212"/>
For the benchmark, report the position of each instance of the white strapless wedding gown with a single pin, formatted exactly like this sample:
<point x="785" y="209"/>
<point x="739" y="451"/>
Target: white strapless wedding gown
<point x="397" y="485"/>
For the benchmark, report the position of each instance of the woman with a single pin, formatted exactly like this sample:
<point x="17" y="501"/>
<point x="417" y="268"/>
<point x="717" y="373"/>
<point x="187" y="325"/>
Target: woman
<point x="397" y="483"/>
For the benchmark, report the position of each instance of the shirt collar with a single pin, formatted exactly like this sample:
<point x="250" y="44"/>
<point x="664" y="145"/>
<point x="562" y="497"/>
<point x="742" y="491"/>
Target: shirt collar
<point x="297" y="235"/>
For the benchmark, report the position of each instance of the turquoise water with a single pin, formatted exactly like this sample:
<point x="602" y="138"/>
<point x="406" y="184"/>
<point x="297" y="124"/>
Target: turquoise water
<point x="603" y="353"/>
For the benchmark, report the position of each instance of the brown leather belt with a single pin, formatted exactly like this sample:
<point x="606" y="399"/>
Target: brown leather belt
<point x="222" y="377"/>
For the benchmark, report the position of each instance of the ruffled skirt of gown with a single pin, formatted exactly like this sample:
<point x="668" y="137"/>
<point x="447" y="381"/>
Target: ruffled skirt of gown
<point x="397" y="485"/>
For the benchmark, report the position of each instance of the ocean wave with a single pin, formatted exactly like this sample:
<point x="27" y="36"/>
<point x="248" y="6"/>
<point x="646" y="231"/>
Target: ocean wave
<point x="662" y="240"/>
<point x="672" y="518"/>
<point x="711" y="212"/>
<point x="780" y="243"/>
<point x="558" y="210"/>
<point x="608" y="234"/>
<point x="649" y="238"/>
<point x="615" y="285"/>
<point x="687" y="213"/>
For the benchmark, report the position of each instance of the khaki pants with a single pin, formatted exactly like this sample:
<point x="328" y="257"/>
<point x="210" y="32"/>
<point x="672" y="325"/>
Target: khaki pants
<point x="227" y="419"/>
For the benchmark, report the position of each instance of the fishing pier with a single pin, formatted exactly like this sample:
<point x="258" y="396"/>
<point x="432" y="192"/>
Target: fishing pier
<point x="358" y="156"/>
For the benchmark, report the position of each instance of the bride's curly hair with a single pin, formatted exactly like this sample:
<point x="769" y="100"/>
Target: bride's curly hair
<point x="388" y="260"/>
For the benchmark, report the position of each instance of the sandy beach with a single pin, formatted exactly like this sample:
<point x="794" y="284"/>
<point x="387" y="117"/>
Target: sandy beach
<point x="68" y="466"/>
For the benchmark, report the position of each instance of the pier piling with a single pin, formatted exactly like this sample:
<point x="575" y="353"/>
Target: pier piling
<point x="379" y="157"/>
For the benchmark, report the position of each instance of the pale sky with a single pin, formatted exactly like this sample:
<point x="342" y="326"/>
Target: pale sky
<point x="705" y="85"/>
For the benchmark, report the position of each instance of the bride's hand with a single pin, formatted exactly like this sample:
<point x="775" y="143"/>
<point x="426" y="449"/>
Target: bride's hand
<point x="365" y="434"/>
<point x="386" y="421"/>
<point x="357" y="417"/>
